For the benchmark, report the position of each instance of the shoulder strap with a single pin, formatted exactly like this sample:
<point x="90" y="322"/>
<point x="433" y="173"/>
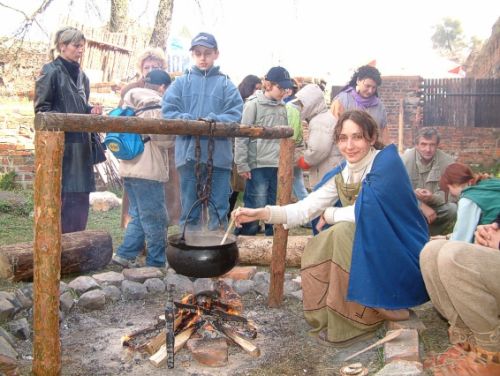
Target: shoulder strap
<point x="152" y="107"/>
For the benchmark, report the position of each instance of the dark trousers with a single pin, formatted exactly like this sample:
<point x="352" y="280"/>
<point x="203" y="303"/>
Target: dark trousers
<point x="74" y="211"/>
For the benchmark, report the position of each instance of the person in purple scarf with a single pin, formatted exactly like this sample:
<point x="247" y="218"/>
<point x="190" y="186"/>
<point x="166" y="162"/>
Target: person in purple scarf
<point x="361" y="94"/>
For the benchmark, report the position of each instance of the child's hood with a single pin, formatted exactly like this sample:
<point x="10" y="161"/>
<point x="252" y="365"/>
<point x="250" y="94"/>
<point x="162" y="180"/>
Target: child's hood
<point x="313" y="101"/>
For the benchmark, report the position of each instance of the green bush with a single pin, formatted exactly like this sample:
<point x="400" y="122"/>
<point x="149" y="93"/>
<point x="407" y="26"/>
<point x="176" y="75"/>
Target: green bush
<point x="8" y="181"/>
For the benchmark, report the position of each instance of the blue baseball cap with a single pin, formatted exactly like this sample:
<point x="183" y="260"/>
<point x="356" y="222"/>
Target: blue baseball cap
<point x="281" y="76"/>
<point x="205" y="40"/>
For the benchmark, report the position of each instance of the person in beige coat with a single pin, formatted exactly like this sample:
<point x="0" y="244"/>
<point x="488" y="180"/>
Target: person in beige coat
<point x="321" y="153"/>
<point x="144" y="178"/>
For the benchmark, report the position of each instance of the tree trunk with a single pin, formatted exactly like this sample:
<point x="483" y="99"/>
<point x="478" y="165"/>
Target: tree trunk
<point x="119" y="15"/>
<point x="163" y="21"/>
<point x="257" y="250"/>
<point x="81" y="251"/>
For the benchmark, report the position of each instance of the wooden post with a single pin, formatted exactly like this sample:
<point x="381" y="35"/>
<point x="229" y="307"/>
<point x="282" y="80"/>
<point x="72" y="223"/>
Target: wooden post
<point x="401" y="126"/>
<point x="49" y="150"/>
<point x="285" y="181"/>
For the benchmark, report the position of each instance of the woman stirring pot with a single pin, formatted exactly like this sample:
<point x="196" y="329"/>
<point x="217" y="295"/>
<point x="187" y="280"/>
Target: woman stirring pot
<point x="364" y="268"/>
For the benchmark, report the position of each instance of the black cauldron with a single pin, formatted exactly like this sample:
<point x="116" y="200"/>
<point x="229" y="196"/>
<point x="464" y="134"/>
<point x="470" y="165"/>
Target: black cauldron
<point x="200" y="254"/>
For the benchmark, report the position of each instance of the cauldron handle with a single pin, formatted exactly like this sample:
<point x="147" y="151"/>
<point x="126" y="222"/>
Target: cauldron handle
<point x="195" y="204"/>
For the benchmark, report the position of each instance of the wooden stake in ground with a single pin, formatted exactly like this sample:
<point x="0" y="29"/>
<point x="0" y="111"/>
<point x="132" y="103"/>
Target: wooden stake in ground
<point x="387" y="338"/>
<point x="49" y="148"/>
<point x="285" y="176"/>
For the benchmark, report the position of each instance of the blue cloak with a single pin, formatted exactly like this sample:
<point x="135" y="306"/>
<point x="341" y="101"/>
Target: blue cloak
<point x="390" y="233"/>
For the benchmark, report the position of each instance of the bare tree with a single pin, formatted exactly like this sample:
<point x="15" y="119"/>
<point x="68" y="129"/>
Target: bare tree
<point x="163" y="21"/>
<point x="119" y="16"/>
<point x="23" y="29"/>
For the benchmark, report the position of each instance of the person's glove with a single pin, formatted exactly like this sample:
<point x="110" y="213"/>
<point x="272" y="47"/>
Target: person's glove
<point x="301" y="162"/>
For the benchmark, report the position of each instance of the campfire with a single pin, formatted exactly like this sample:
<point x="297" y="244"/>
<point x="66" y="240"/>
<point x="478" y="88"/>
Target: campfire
<point x="205" y="323"/>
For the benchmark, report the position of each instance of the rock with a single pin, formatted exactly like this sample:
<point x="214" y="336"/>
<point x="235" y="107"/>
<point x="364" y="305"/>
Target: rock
<point x="262" y="277"/>
<point x="19" y="328"/>
<point x="262" y="288"/>
<point x="298" y="294"/>
<point x="290" y="287"/>
<point x="5" y="334"/>
<point x="209" y="352"/>
<point x="23" y="299"/>
<point x="183" y="285"/>
<point x="28" y="290"/>
<point x="63" y="287"/>
<point x="7" y="309"/>
<point x="67" y="301"/>
<point x="241" y="272"/>
<point x="243" y="287"/>
<point x="412" y="323"/>
<point x="112" y="293"/>
<point x="141" y="274"/>
<point x="104" y="201"/>
<point x="109" y="278"/>
<point x="133" y="290"/>
<point x="6" y="349"/>
<point x="93" y="299"/>
<point x="401" y="368"/>
<point x="11" y="297"/>
<point x="203" y="284"/>
<point x="83" y="284"/>
<point x="155" y="286"/>
<point x="403" y="347"/>
<point x="8" y="356"/>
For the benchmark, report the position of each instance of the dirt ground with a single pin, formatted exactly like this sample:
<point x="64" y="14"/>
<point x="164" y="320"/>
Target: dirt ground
<point x="91" y="343"/>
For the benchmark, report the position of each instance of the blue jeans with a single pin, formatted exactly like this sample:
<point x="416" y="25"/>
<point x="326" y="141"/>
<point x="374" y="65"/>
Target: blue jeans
<point x="149" y="221"/>
<point x="260" y="191"/>
<point x="219" y="196"/>
<point x="299" y="189"/>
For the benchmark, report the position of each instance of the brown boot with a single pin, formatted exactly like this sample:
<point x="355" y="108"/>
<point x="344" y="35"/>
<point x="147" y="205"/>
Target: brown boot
<point x="457" y="362"/>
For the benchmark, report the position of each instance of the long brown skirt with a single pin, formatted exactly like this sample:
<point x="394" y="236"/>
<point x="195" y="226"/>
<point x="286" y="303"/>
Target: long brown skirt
<point x="326" y="264"/>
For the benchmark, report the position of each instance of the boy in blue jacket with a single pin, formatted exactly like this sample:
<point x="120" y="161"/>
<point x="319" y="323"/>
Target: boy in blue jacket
<point x="203" y="92"/>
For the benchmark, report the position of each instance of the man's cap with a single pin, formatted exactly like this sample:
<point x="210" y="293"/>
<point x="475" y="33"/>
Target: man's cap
<point x="205" y="40"/>
<point x="281" y="76"/>
<point x="158" y="77"/>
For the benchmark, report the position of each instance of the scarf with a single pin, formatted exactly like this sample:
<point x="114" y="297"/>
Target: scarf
<point x="362" y="102"/>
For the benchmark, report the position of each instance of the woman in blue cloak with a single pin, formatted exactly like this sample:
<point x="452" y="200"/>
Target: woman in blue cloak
<point x="363" y="268"/>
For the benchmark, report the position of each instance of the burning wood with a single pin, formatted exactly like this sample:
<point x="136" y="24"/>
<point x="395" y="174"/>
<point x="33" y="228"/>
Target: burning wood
<point x="211" y="315"/>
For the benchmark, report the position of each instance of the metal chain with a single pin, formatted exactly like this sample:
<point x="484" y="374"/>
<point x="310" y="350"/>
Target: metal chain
<point x="204" y="189"/>
<point x="210" y="163"/>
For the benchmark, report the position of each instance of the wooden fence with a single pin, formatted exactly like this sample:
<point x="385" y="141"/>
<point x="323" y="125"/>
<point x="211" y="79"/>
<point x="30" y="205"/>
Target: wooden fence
<point x="111" y="56"/>
<point x="461" y="102"/>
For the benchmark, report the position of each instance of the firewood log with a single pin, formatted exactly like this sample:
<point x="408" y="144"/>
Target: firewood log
<point x="257" y="250"/>
<point x="81" y="252"/>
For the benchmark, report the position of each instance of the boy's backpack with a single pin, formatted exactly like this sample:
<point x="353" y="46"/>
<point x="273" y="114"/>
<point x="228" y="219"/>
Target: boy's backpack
<point x="127" y="146"/>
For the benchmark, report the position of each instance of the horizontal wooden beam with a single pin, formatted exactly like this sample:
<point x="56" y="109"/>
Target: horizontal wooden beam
<point x="49" y="121"/>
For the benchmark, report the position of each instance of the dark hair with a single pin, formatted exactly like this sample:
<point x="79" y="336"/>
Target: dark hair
<point x="365" y="121"/>
<point x="458" y="173"/>
<point x="427" y="133"/>
<point x="365" y="71"/>
<point x="247" y="86"/>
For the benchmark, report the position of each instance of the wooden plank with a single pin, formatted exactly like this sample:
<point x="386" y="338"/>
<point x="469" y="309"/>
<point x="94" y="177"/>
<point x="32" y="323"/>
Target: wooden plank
<point x="100" y="123"/>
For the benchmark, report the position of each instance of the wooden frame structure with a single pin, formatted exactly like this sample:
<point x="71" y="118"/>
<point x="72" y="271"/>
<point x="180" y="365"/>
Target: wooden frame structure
<point x="49" y="151"/>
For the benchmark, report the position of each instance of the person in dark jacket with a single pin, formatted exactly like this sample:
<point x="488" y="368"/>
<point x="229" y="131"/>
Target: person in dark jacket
<point x="63" y="87"/>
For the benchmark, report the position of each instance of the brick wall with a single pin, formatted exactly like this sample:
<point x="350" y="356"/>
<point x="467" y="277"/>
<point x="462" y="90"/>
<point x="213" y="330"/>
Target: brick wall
<point x="21" y="161"/>
<point x="479" y="146"/>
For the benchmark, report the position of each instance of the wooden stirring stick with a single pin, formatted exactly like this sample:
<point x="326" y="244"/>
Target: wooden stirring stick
<point x="229" y="227"/>
<point x="387" y="338"/>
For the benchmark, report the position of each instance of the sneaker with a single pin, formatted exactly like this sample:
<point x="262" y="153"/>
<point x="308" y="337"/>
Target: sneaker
<point x="123" y="262"/>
